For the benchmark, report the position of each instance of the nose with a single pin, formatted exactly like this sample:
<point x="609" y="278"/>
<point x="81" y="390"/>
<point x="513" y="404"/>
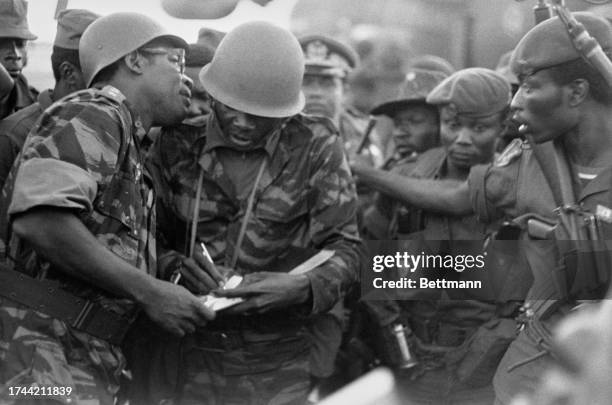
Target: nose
<point x="517" y="100"/>
<point x="15" y="52"/>
<point x="464" y="136"/>
<point x="243" y="121"/>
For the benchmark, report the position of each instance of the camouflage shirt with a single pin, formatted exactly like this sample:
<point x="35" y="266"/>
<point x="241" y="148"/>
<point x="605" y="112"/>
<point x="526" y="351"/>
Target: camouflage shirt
<point x="305" y="199"/>
<point x="15" y="128"/>
<point x="80" y="157"/>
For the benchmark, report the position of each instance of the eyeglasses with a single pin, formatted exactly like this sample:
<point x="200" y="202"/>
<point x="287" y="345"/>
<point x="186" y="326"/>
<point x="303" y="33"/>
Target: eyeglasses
<point x="176" y="56"/>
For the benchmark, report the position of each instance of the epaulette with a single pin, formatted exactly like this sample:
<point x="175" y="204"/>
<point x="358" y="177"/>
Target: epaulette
<point x="112" y="93"/>
<point x="512" y="151"/>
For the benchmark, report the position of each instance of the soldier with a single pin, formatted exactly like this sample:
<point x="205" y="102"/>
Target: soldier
<point x="15" y="92"/>
<point x="82" y="220"/>
<point x="416" y="128"/>
<point x="68" y="79"/>
<point x="328" y="64"/>
<point x="262" y="187"/>
<point x="473" y="104"/>
<point x="563" y="99"/>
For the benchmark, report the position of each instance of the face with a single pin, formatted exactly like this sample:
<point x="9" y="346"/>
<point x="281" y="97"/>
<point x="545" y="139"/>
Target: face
<point x="540" y="107"/>
<point x="200" y="100"/>
<point x="324" y="94"/>
<point x="244" y="131"/>
<point x="168" y="89"/>
<point x="469" y="141"/>
<point x="13" y="55"/>
<point x="415" y="129"/>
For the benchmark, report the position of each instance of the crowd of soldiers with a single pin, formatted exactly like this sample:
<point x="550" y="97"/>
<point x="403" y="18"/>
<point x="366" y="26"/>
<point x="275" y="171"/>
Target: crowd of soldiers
<point x="156" y="172"/>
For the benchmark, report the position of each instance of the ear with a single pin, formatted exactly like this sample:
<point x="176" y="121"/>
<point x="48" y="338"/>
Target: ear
<point x="135" y="62"/>
<point x="578" y="91"/>
<point x="71" y="75"/>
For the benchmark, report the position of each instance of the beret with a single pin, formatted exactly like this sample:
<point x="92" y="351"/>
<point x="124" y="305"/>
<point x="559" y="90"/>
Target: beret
<point x="432" y="62"/>
<point x="414" y="89"/>
<point x="548" y="43"/>
<point x="210" y="37"/>
<point x="327" y="56"/>
<point x="198" y="55"/>
<point x="70" y="26"/>
<point x="14" y="20"/>
<point x="474" y="92"/>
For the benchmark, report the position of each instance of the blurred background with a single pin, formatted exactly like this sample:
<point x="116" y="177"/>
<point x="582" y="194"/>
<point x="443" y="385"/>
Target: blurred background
<point x="385" y="33"/>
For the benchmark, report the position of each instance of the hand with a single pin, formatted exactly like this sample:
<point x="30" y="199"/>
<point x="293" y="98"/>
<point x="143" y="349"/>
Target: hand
<point x="175" y="309"/>
<point x="358" y="163"/>
<point x="266" y="291"/>
<point x="201" y="275"/>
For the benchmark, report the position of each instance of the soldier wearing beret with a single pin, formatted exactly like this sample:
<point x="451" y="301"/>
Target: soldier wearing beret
<point x="562" y="99"/>
<point x="15" y="92"/>
<point x="473" y="104"/>
<point x="68" y="79"/>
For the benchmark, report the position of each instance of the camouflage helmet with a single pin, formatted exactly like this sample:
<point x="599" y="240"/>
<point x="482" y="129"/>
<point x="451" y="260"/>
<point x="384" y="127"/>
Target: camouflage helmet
<point x="115" y="35"/>
<point x="258" y="69"/>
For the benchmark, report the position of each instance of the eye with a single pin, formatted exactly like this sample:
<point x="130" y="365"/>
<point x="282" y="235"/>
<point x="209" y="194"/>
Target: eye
<point x="480" y="128"/>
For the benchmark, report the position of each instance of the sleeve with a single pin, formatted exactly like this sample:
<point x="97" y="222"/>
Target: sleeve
<point x="168" y="230"/>
<point x="493" y="190"/>
<point x="74" y="148"/>
<point x="333" y="223"/>
<point x="8" y="155"/>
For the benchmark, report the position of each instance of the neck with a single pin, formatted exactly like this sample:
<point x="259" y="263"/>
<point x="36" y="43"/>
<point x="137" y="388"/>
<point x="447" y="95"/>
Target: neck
<point x="453" y="172"/>
<point x="589" y="143"/>
<point x="138" y="103"/>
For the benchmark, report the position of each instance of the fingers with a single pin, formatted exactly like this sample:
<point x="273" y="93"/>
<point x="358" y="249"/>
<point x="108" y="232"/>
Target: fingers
<point x="209" y="267"/>
<point x="198" y="277"/>
<point x="204" y="314"/>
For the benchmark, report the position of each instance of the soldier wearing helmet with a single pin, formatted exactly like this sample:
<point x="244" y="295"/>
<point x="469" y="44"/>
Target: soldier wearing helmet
<point x="81" y="211"/>
<point x="265" y="187"/>
<point x="15" y="92"/>
<point x="68" y="78"/>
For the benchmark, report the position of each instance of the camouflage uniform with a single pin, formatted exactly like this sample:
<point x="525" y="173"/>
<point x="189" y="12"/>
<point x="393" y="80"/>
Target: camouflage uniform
<point x="15" y="128"/>
<point x="306" y="199"/>
<point x="83" y="156"/>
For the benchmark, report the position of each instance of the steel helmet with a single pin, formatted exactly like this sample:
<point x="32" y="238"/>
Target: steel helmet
<point x="258" y="69"/>
<point x="115" y="35"/>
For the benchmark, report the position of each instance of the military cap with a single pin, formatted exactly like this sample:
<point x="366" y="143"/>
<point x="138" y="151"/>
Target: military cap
<point x="327" y="56"/>
<point x="414" y="89"/>
<point x="548" y="43"/>
<point x="198" y="55"/>
<point x="432" y="62"/>
<point x="210" y="37"/>
<point x="473" y="92"/>
<point x="14" y="21"/>
<point x="70" y="26"/>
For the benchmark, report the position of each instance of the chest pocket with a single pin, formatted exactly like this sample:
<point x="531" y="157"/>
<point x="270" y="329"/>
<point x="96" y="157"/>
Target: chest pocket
<point x="281" y="212"/>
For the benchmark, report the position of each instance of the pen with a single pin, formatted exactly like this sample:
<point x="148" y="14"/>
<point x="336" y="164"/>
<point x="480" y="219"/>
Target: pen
<point x="207" y="256"/>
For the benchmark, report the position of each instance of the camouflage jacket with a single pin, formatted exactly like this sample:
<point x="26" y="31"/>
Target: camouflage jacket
<point x="83" y="155"/>
<point x="305" y="199"/>
<point x="15" y="128"/>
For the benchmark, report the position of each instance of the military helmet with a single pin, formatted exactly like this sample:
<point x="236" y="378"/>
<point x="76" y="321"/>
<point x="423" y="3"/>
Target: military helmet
<point x="258" y="69"/>
<point x="115" y="35"/>
<point x="414" y="90"/>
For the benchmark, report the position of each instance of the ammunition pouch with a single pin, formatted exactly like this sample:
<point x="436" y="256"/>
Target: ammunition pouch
<point x="47" y="297"/>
